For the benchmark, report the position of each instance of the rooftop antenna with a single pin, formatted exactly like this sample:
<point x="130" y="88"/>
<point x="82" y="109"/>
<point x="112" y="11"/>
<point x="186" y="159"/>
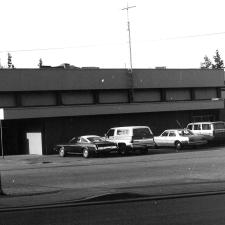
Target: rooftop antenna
<point x="128" y="26"/>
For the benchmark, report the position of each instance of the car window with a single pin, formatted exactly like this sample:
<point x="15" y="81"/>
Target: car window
<point x="219" y="126"/>
<point x="139" y="133"/>
<point x="206" y="126"/>
<point x="110" y="133"/>
<point x="189" y="126"/>
<point x="172" y="134"/>
<point x="165" y="133"/>
<point x="197" y="127"/>
<point x="122" y="132"/>
<point x="73" y="140"/>
<point x="83" y="140"/>
<point x="185" y="132"/>
<point x="95" y="139"/>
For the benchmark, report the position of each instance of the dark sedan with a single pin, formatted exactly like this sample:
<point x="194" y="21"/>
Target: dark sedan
<point x="86" y="145"/>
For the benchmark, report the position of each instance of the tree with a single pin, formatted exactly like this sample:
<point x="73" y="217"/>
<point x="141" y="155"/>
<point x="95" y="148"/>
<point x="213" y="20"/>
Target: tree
<point x="218" y="61"/>
<point x="40" y="64"/>
<point x="10" y="65"/>
<point x="9" y="61"/>
<point x="207" y="64"/>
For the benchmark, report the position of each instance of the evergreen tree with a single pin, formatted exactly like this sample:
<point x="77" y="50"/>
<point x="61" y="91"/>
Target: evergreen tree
<point x="10" y="65"/>
<point x="40" y="64"/>
<point x="207" y="64"/>
<point x="218" y="61"/>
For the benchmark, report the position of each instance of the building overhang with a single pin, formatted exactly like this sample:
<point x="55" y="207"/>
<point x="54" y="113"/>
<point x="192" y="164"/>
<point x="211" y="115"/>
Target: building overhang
<point x="107" y="109"/>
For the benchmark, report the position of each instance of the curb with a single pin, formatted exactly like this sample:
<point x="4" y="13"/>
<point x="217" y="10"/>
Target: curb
<point x="94" y="201"/>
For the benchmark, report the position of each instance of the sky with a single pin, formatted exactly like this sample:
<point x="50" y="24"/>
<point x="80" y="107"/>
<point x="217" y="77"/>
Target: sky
<point x="83" y="33"/>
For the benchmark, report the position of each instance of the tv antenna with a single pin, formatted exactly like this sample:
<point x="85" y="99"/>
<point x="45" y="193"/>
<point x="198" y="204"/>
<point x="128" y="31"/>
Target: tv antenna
<point x="129" y="36"/>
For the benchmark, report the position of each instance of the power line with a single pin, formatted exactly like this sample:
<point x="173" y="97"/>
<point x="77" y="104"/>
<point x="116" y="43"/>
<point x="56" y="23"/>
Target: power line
<point x="189" y="36"/>
<point x="108" y="44"/>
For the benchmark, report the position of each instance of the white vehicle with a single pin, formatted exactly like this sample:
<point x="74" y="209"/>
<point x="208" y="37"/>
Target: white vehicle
<point x="213" y="131"/>
<point x="178" y="138"/>
<point x="131" y="138"/>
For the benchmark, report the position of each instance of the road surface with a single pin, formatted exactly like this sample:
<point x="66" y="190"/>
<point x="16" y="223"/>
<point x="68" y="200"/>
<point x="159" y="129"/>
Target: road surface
<point x="160" y="173"/>
<point x="207" y="210"/>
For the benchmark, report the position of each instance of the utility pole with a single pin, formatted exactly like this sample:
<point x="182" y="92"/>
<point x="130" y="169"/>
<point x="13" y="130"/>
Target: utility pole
<point x="129" y="36"/>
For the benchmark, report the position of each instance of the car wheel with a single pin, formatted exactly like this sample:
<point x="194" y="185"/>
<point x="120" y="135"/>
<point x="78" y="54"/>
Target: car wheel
<point x="86" y="153"/>
<point x="178" y="145"/>
<point x="62" y="152"/>
<point x="122" y="149"/>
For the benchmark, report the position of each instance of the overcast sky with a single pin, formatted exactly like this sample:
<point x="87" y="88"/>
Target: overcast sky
<point x="171" y="33"/>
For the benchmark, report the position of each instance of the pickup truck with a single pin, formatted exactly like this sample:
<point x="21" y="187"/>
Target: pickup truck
<point x="131" y="138"/>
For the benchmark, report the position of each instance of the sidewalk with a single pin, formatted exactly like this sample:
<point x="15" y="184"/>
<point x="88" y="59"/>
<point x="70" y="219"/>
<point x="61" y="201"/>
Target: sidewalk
<point x="20" y="161"/>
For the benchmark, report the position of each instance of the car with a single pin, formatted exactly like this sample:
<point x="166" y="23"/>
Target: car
<point x="179" y="138"/>
<point x="131" y="138"/>
<point x="86" y="145"/>
<point x="213" y="131"/>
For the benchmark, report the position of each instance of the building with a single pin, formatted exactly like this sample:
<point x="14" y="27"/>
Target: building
<point x="43" y="107"/>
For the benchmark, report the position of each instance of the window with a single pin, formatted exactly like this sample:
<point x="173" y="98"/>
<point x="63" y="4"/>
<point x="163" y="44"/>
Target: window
<point x="185" y="132"/>
<point x="83" y="140"/>
<point x="122" y="132"/>
<point x="164" y="134"/>
<point x="172" y="134"/>
<point x="140" y="133"/>
<point x="219" y="126"/>
<point x="95" y="139"/>
<point x="206" y="127"/>
<point x="189" y="127"/>
<point x="73" y="140"/>
<point x="110" y="133"/>
<point x="197" y="127"/>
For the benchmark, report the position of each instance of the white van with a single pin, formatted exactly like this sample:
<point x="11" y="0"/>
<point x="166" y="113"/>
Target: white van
<point x="131" y="138"/>
<point x="213" y="131"/>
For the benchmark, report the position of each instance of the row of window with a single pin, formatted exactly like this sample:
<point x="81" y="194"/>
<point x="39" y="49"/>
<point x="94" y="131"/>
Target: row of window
<point x="105" y="96"/>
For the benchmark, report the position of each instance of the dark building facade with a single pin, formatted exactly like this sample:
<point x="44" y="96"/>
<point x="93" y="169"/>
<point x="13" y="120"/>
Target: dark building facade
<point x="43" y="107"/>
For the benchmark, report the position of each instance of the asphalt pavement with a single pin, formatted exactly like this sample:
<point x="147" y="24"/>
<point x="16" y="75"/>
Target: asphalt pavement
<point x="26" y="179"/>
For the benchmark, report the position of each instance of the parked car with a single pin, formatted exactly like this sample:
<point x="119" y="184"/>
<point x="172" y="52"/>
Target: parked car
<point x="179" y="138"/>
<point x="213" y="131"/>
<point x="86" y="145"/>
<point x="131" y="138"/>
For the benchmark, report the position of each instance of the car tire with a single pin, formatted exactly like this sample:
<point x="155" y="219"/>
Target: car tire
<point x="178" y="145"/>
<point x="122" y="149"/>
<point x="62" y="152"/>
<point x="86" y="153"/>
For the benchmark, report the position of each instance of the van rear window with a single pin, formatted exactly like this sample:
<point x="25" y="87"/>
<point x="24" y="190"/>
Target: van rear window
<point x="140" y="133"/>
<point x="219" y="126"/>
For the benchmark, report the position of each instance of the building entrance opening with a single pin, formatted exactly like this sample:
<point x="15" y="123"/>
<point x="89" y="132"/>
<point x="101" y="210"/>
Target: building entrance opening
<point x="34" y="143"/>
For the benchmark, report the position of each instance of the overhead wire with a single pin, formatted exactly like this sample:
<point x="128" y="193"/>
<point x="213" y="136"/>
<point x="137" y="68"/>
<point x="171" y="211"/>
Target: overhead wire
<point x="107" y="44"/>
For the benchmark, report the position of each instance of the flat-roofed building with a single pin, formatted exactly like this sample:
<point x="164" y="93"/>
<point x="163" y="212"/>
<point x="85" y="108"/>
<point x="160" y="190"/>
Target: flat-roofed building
<point x="43" y="107"/>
